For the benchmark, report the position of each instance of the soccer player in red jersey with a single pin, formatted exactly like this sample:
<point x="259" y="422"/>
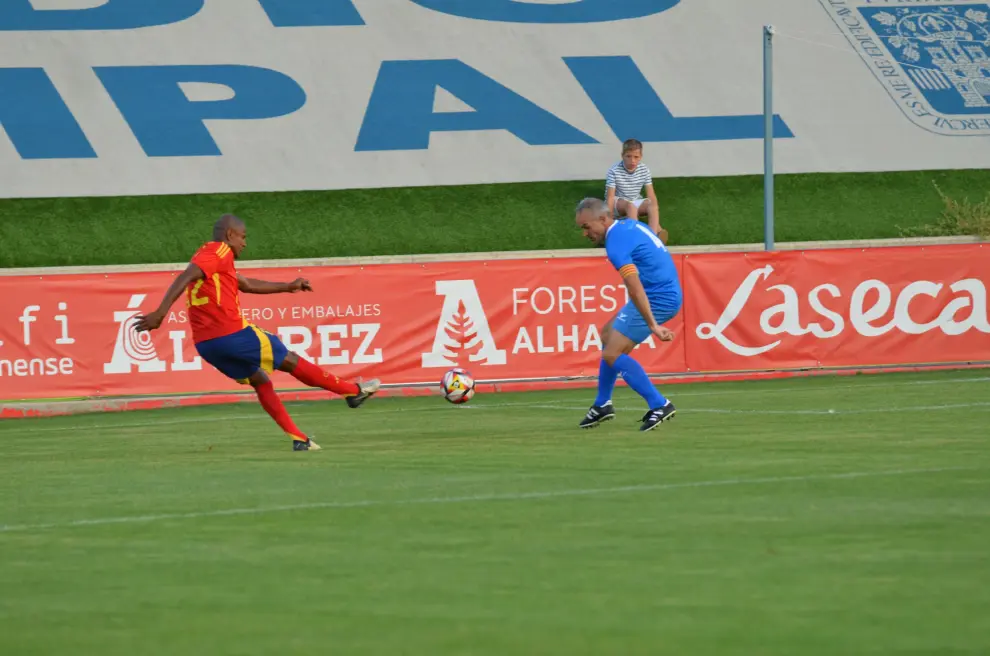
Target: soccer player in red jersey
<point x="237" y="349"/>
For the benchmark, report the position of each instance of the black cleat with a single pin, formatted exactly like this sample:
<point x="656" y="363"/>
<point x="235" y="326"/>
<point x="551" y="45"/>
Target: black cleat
<point x="654" y="418"/>
<point x="308" y="445"/>
<point x="368" y="390"/>
<point x="598" y="415"/>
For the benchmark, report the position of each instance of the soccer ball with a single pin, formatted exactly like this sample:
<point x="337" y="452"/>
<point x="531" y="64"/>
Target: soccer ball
<point x="457" y="386"/>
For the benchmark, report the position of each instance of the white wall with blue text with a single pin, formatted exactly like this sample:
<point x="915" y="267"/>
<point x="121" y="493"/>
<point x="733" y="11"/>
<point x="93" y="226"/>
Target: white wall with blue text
<point x="115" y="97"/>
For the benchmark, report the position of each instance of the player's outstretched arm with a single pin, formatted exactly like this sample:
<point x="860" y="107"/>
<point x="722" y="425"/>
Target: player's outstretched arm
<point x="638" y="296"/>
<point x="253" y="286"/>
<point x="154" y="319"/>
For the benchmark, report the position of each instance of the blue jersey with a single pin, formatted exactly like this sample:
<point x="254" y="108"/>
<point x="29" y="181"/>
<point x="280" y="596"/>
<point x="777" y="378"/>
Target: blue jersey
<point x="633" y="248"/>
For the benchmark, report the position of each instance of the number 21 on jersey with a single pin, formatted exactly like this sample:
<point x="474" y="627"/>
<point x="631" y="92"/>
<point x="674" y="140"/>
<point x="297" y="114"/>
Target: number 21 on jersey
<point x="194" y="299"/>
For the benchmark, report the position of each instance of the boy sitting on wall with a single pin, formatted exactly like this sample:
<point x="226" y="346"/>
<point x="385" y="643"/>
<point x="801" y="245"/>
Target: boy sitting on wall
<point x="624" y="184"/>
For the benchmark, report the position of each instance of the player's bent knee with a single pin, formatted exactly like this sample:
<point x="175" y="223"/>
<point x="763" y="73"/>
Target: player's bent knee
<point x="614" y="348"/>
<point x="258" y="378"/>
<point x="610" y="357"/>
<point x="289" y="362"/>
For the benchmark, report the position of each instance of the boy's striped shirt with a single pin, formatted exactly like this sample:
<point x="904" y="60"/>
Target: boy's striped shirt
<point x="628" y="185"/>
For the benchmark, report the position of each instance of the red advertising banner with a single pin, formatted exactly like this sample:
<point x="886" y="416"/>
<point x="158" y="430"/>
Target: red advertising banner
<point x="837" y="308"/>
<point x="72" y="335"/>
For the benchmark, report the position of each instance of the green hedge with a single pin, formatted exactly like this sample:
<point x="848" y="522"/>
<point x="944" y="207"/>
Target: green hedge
<point x="75" y="231"/>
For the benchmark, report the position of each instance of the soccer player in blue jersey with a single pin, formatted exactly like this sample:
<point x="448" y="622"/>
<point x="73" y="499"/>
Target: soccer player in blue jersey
<point x="655" y="296"/>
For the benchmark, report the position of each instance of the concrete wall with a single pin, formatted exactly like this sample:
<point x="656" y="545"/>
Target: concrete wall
<point x="120" y="97"/>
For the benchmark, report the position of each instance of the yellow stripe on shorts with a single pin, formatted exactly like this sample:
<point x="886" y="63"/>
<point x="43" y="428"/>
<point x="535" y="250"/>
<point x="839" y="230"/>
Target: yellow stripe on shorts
<point x="267" y="358"/>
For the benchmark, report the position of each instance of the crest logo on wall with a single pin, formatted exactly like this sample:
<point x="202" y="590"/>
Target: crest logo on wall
<point x="933" y="59"/>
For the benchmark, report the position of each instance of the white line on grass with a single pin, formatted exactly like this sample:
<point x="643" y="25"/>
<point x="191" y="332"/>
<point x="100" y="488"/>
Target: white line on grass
<point x="861" y="411"/>
<point x="199" y="420"/>
<point x="772" y="390"/>
<point x="15" y="424"/>
<point x="513" y="496"/>
<point x="729" y="411"/>
<point x="534" y="406"/>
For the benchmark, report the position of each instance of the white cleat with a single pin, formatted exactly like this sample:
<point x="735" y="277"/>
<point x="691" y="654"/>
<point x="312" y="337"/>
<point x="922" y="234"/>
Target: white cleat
<point x="309" y="445"/>
<point x="367" y="390"/>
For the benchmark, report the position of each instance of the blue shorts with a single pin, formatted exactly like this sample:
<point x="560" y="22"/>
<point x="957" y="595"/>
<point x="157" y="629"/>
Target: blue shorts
<point x="239" y="355"/>
<point x="630" y="322"/>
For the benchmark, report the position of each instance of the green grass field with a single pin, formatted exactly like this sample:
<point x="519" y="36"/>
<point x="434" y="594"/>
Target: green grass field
<point x="812" y="516"/>
<point x="79" y="231"/>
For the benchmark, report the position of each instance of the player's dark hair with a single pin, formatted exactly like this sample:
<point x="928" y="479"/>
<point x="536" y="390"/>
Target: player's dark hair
<point x="225" y="223"/>
<point x="631" y="144"/>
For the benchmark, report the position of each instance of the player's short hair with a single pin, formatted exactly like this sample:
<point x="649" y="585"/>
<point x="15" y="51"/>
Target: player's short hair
<point x="631" y="144"/>
<point x="595" y="205"/>
<point x="223" y="223"/>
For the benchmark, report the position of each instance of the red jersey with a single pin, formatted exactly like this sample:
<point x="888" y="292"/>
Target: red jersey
<point x="214" y="302"/>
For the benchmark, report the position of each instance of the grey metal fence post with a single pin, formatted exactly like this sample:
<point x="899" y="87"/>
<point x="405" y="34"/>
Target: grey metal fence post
<point x="768" y="231"/>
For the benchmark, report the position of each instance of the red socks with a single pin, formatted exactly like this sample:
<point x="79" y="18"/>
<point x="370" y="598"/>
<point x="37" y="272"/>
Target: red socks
<point x="273" y="406"/>
<point x="308" y="373"/>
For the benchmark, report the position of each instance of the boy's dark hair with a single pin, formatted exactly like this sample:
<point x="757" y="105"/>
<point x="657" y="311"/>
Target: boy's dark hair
<point x="631" y="144"/>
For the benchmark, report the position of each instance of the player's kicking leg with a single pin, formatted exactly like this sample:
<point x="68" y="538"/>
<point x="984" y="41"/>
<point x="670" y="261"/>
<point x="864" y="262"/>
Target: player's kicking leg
<point x="306" y="372"/>
<point x="250" y="355"/>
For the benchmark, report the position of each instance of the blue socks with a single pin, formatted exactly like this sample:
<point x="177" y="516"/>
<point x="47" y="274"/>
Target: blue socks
<point x="635" y="376"/>
<point x="606" y="383"/>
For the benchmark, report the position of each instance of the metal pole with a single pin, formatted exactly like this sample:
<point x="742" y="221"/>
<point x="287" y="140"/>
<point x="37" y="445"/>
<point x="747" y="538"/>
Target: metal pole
<point x="768" y="231"/>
